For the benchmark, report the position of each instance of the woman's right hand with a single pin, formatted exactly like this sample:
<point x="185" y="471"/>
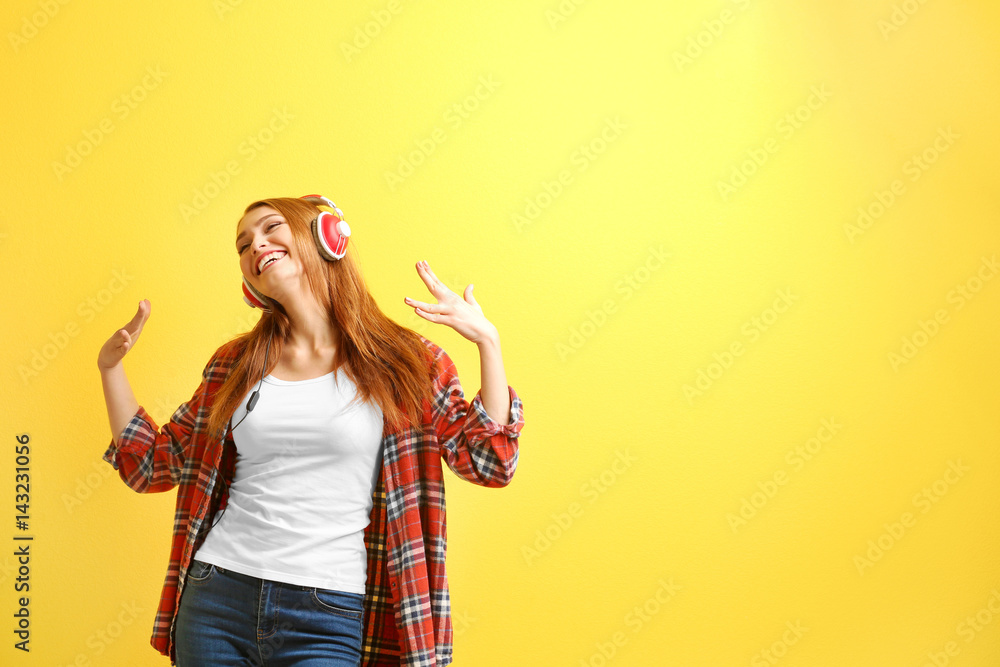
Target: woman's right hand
<point x="123" y="340"/>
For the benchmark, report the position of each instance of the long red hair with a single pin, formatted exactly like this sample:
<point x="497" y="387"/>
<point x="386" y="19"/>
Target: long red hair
<point x="387" y="362"/>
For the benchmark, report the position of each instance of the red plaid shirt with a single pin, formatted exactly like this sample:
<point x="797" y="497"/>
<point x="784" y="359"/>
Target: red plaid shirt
<point x="407" y="617"/>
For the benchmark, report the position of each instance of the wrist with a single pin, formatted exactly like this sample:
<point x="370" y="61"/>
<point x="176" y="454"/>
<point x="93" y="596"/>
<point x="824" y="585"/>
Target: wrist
<point x="105" y="370"/>
<point x="489" y="339"/>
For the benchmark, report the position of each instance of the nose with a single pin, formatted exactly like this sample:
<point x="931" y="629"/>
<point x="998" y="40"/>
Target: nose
<point x="251" y="254"/>
<point x="259" y="245"/>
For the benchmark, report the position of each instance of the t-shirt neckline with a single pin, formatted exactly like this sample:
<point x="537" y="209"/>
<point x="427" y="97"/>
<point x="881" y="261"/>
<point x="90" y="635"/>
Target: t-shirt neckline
<point x="270" y="379"/>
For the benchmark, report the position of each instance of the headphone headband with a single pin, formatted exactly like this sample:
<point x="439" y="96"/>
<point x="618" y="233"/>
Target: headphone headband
<point x="325" y="201"/>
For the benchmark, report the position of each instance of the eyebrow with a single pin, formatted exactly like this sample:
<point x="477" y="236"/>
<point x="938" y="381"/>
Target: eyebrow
<point x="256" y="224"/>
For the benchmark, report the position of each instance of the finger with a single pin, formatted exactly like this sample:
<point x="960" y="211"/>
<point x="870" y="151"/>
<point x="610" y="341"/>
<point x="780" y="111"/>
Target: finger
<point x="430" y="272"/>
<point x="426" y="276"/>
<point x="423" y="306"/>
<point x="430" y="278"/>
<point x="468" y="295"/>
<point x="433" y="317"/>
<point x="146" y="310"/>
<point x="135" y="324"/>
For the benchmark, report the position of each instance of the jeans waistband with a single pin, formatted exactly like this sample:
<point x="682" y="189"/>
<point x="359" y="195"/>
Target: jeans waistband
<point x="256" y="581"/>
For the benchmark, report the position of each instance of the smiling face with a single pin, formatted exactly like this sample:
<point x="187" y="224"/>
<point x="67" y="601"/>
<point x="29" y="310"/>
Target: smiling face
<point x="265" y="246"/>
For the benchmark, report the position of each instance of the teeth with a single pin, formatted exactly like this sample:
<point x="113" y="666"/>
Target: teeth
<point x="273" y="257"/>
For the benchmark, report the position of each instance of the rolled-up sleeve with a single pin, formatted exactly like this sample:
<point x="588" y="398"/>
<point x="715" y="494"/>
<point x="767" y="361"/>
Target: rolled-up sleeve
<point x="475" y="446"/>
<point x="150" y="459"/>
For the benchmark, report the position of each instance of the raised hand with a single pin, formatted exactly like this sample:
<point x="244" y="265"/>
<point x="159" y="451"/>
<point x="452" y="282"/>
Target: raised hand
<point x="462" y="314"/>
<point x="123" y="340"/>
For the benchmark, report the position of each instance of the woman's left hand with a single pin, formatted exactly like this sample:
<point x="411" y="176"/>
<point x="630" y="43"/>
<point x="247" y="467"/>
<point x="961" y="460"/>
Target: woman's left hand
<point x="462" y="314"/>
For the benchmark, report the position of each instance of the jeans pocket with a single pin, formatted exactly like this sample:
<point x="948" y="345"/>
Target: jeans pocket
<point x="200" y="572"/>
<point x="345" y="604"/>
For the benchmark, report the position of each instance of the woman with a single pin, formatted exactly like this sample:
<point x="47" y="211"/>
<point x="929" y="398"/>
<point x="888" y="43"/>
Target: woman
<point x="332" y="551"/>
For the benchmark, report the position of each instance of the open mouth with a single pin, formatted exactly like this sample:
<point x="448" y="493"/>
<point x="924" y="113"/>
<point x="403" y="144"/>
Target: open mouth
<point x="270" y="259"/>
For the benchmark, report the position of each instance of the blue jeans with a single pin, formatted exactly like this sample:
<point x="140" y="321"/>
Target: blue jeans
<point x="230" y="618"/>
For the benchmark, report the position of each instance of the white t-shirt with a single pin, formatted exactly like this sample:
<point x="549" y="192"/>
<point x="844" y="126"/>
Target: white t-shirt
<point x="301" y="496"/>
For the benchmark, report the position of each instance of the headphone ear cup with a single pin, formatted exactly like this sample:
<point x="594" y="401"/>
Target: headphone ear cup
<point x="331" y="234"/>
<point x="252" y="297"/>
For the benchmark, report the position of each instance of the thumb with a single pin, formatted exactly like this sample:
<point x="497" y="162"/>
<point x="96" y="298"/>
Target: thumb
<point x="468" y="294"/>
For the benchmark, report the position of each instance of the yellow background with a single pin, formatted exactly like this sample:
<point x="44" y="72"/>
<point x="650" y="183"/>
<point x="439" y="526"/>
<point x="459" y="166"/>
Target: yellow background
<point x="551" y="569"/>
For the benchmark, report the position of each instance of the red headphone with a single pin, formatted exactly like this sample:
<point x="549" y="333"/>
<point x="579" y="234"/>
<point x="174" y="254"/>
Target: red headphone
<point x="330" y="232"/>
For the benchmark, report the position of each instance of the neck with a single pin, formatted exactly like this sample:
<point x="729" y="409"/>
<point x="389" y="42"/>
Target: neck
<point x="312" y="331"/>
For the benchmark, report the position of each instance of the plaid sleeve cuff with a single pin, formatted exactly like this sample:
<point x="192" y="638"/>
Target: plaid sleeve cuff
<point x="481" y="424"/>
<point x="140" y="422"/>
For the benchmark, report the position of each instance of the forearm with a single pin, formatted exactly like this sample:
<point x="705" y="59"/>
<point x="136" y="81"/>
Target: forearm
<point x="494" y="393"/>
<point x="120" y="400"/>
